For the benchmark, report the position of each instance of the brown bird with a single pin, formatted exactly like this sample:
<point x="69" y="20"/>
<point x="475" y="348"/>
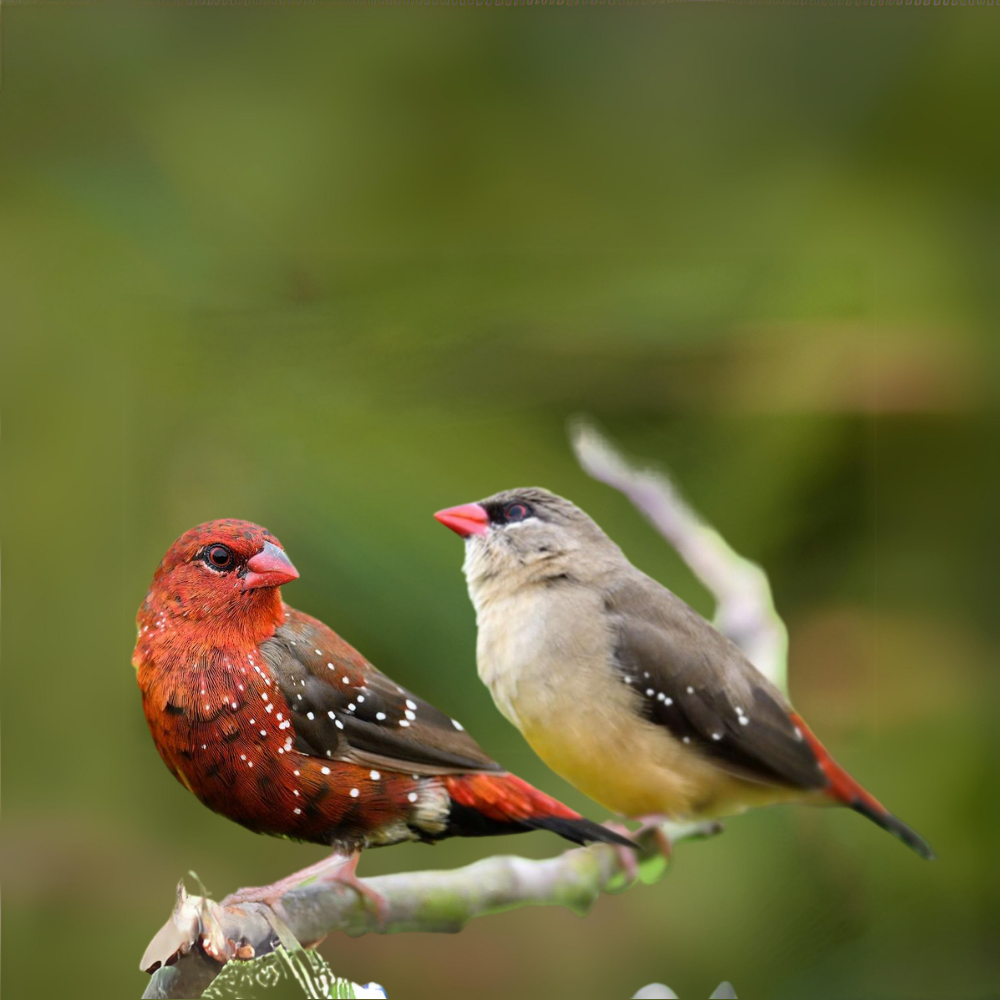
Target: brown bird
<point x="271" y="719"/>
<point x="622" y="688"/>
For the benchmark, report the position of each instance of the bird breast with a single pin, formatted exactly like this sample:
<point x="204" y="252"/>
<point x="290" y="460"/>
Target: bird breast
<point x="547" y="657"/>
<point x="539" y="648"/>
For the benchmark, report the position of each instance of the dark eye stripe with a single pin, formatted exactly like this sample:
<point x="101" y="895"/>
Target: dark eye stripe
<point x="511" y="512"/>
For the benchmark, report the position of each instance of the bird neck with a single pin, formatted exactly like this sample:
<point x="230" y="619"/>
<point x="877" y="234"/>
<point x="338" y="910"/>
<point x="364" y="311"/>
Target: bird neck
<point x="173" y="626"/>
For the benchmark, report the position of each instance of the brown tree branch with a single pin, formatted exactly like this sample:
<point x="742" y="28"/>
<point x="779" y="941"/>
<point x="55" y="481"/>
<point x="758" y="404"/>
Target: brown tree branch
<point x="202" y="935"/>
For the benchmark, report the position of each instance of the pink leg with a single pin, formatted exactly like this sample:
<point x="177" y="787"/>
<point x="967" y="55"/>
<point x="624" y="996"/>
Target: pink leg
<point x="336" y="870"/>
<point x="653" y="824"/>
<point x="649" y="826"/>
<point x="626" y="855"/>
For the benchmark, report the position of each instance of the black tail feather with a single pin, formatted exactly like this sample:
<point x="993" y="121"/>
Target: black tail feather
<point x="466" y="822"/>
<point x="579" y="831"/>
<point x="896" y="827"/>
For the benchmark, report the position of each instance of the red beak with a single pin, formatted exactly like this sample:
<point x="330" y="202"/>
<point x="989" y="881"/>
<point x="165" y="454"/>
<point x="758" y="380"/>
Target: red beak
<point x="269" y="568"/>
<point x="469" y="519"/>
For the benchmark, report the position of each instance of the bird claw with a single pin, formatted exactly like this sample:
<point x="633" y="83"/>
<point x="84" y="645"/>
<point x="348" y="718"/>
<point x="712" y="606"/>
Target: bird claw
<point x="334" y="870"/>
<point x="346" y="874"/>
<point x="651" y="828"/>
<point x="651" y="832"/>
<point x="626" y="856"/>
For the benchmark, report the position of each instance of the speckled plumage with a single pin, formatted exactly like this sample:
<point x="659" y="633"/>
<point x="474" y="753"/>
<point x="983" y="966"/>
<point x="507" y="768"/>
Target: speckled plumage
<point x="273" y="720"/>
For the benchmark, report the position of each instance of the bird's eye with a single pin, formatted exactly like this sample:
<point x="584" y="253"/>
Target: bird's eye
<point x="516" y="512"/>
<point x="219" y="557"/>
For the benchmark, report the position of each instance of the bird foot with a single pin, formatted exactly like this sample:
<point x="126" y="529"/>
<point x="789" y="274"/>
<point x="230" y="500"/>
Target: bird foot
<point x="346" y="874"/>
<point x="651" y="827"/>
<point x="336" y="870"/>
<point x="626" y="856"/>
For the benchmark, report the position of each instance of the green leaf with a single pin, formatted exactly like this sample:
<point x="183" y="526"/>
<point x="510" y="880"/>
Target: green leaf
<point x="292" y="973"/>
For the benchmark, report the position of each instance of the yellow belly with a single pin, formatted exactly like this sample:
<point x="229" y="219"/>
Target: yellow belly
<point x="641" y="770"/>
<point x="546" y="662"/>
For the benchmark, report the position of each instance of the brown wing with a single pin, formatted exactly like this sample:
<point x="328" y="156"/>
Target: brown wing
<point x="697" y="684"/>
<point x="342" y="708"/>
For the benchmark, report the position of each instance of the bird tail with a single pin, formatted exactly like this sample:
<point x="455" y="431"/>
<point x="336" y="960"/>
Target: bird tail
<point x="490" y="804"/>
<point x="843" y="788"/>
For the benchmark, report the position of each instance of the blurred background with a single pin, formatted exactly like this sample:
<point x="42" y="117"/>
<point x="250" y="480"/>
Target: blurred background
<point x="332" y="269"/>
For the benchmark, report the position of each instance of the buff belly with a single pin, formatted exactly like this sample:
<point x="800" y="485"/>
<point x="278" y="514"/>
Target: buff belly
<point x="641" y="773"/>
<point x="548" y="671"/>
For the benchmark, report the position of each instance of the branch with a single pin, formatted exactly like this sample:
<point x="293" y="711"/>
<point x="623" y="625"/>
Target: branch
<point x="202" y="935"/>
<point x="745" y="609"/>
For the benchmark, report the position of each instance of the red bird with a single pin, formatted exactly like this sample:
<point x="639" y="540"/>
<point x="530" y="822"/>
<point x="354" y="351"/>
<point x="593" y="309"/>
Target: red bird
<point x="273" y="720"/>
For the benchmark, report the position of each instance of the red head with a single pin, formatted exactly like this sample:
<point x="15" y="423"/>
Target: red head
<point x="223" y="574"/>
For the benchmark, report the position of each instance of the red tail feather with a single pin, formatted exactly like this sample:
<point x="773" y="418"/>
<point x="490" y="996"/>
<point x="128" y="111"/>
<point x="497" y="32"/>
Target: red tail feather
<point x="843" y="788"/>
<point x="504" y="797"/>
<point x="503" y="803"/>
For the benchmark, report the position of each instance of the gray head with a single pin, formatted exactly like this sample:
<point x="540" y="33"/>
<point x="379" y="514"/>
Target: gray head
<point x="528" y="535"/>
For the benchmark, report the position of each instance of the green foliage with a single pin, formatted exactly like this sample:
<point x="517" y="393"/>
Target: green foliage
<point x="300" y="973"/>
<point x="334" y="268"/>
